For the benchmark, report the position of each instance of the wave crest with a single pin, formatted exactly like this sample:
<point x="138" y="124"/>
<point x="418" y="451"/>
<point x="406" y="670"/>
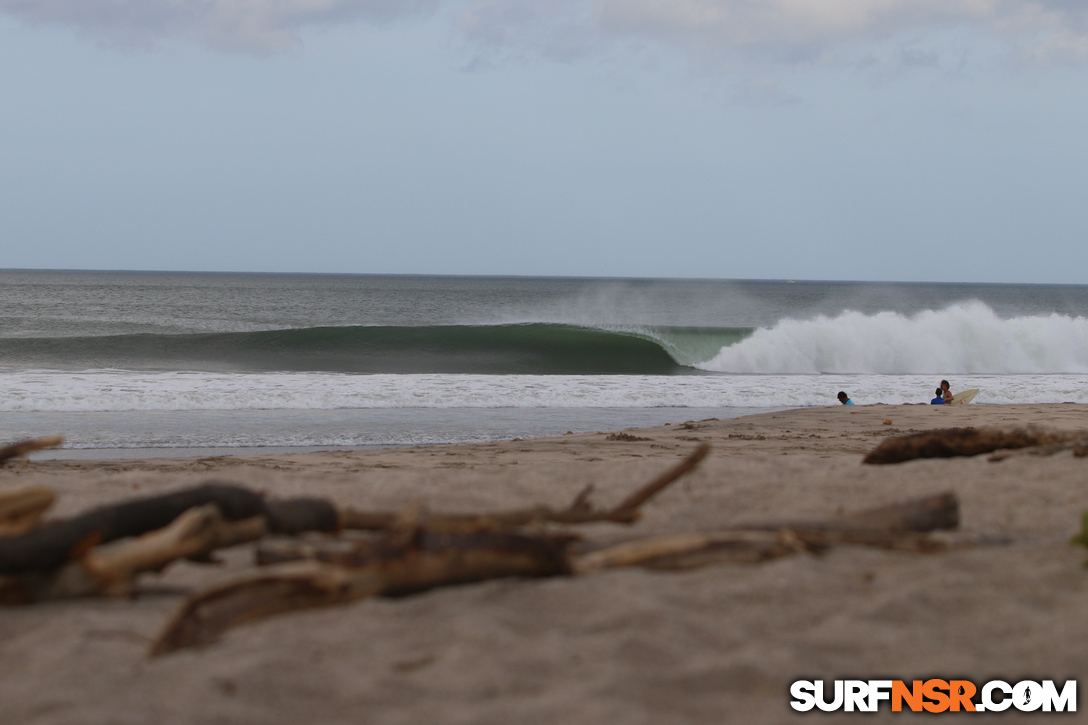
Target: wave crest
<point x="961" y="339"/>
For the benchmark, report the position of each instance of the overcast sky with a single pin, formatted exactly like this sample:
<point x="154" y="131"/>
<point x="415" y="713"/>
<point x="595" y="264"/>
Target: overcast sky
<point x="942" y="140"/>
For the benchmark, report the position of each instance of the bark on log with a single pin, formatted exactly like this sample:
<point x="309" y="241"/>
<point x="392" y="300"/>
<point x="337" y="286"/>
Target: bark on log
<point x="427" y="560"/>
<point x="51" y="545"/>
<point x="952" y="442"/>
<point x="24" y="448"/>
<point x="22" y="508"/>
<point x="112" y="569"/>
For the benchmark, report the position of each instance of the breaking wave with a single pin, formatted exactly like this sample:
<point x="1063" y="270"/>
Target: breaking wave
<point x="962" y="339"/>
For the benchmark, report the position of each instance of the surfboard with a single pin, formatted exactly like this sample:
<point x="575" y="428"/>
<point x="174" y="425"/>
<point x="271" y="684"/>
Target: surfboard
<point x="964" y="397"/>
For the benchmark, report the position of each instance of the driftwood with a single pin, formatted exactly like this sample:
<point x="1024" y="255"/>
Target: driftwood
<point x="51" y="545"/>
<point x="75" y="558"/>
<point x="395" y="567"/>
<point x="415" y="553"/>
<point x="693" y="550"/>
<point x="105" y="550"/>
<point x="304" y="575"/>
<point x="953" y="442"/>
<point x="902" y="526"/>
<point x="24" y="448"/>
<point x="112" y="569"/>
<point x="22" y="508"/>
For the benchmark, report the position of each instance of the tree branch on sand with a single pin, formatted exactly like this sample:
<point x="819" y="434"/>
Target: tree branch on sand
<point x="75" y="557"/>
<point x="307" y="575"/>
<point x="103" y="552"/>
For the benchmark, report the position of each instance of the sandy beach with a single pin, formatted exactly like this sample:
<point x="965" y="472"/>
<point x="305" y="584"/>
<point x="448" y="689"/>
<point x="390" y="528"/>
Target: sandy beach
<point x="709" y="645"/>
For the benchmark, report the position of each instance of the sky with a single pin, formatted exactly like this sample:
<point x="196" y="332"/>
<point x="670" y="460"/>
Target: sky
<point x="912" y="140"/>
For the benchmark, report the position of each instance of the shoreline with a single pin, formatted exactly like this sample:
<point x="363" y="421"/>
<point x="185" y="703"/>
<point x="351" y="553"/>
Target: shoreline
<point x="707" y="645"/>
<point x="112" y="453"/>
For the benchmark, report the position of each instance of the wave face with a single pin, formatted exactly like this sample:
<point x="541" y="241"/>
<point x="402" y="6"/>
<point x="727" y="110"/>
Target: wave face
<point x="485" y="349"/>
<point x="961" y="339"/>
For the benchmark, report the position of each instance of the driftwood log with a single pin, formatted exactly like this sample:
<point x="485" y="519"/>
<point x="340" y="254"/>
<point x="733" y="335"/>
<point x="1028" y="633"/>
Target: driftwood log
<point x="396" y="566"/>
<point x="24" y="448"/>
<point x="953" y="442"/>
<point x="51" y="545"/>
<point x="112" y="569"/>
<point x="75" y="557"/>
<point x="306" y="575"/>
<point x="104" y="550"/>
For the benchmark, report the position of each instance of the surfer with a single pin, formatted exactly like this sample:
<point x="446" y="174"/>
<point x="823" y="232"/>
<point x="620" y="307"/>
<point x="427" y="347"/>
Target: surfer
<point x="947" y="394"/>
<point x="844" y="398"/>
<point x="939" y="400"/>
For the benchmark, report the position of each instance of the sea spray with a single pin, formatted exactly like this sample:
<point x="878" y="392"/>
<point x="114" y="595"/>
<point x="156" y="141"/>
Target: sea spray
<point x="960" y="339"/>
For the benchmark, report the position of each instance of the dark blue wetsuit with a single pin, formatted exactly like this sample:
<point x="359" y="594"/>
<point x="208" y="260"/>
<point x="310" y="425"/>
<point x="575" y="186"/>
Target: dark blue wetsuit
<point x="939" y="400"/>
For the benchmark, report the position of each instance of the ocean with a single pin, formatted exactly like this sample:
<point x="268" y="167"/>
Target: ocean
<point x="144" y="363"/>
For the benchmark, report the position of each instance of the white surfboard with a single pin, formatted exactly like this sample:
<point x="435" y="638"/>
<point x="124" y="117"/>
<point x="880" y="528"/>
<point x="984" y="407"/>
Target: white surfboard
<point x="964" y="397"/>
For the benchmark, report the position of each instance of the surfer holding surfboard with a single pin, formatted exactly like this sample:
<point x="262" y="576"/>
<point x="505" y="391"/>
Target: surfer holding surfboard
<point x="961" y="398"/>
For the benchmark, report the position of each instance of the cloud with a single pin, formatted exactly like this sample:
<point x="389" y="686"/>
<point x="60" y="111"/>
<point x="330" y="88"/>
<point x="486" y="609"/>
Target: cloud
<point x="253" y="26"/>
<point x="794" y="30"/>
<point x="774" y="30"/>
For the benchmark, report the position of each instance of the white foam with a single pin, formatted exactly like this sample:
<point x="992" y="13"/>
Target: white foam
<point x="962" y="339"/>
<point x="114" y="390"/>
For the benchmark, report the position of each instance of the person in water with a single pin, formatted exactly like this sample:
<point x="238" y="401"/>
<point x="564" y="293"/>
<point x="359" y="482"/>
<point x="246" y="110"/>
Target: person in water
<point x="947" y="391"/>
<point x="939" y="400"/>
<point x="844" y="398"/>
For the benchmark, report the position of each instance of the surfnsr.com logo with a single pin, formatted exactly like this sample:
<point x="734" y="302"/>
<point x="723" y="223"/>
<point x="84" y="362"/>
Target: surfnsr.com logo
<point x="934" y="696"/>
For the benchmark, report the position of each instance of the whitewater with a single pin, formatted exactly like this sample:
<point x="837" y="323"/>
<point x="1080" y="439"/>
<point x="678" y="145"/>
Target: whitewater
<point x="961" y="339"/>
<point x="119" y="391"/>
